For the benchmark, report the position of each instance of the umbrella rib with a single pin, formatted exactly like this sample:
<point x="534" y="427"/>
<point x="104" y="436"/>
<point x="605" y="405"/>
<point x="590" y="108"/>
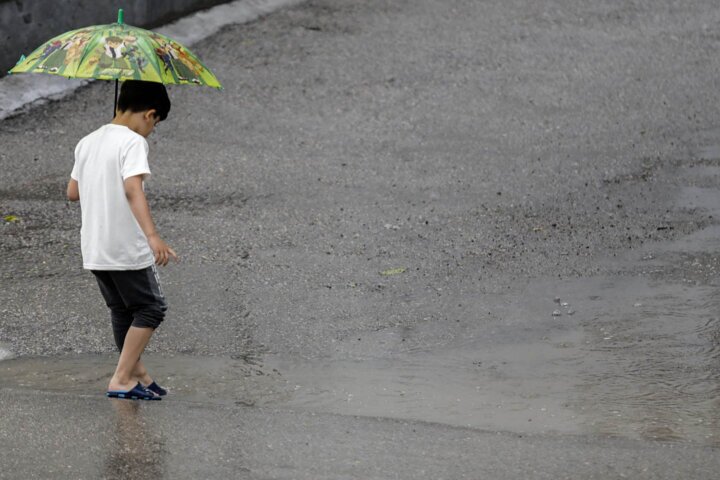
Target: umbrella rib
<point x="149" y="51"/>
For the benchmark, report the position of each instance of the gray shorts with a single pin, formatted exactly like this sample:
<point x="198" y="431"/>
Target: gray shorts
<point x="134" y="297"/>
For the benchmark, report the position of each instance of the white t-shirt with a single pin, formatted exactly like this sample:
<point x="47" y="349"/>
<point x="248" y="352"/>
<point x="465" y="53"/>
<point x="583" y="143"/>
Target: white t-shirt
<point x="111" y="237"/>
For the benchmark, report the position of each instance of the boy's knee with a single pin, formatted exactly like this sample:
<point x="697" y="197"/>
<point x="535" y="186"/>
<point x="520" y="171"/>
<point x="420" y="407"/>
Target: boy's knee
<point x="121" y="316"/>
<point x="150" y="316"/>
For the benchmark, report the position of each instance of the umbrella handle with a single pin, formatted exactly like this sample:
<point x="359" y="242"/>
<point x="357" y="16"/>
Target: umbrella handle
<point x="116" y="97"/>
<point x="120" y="20"/>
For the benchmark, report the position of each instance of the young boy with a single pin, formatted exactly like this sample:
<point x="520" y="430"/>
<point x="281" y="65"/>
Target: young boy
<point x="119" y="241"/>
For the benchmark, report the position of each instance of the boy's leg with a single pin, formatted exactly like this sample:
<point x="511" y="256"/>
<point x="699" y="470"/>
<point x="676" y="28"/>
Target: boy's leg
<point x="120" y="316"/>
<point x="140" y="373"/>
<point x="135" y="342"/>
<point x="121" y="319"/>
<point x="142" y="295"/>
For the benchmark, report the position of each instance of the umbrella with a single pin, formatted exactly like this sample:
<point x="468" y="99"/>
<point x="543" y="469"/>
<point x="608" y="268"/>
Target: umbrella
<point x="117" y="51"/>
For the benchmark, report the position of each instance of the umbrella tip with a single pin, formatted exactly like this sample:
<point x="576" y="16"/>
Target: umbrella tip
<point x="22" y="59"/>
<point x="120" y="16"/>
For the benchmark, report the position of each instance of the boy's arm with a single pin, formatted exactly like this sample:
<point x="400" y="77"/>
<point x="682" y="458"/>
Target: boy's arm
<point x="73" y="193"/>
<point x="141" y="210"/>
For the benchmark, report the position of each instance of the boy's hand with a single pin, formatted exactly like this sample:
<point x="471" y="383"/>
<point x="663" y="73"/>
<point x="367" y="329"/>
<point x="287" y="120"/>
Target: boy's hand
<point x="73" y="191"/>
<point x="162" y="250"/>
<point x="140" y="209"/>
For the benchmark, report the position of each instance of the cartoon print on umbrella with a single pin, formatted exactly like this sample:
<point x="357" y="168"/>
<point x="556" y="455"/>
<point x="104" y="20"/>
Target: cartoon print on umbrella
<point x="134" y="54"/>
<point x="77" y="44"/>
<point x="114" y="61"/>
<point x="59" y="54"/>
<point x="117" y="52"/>
<point x="194" y="69"/>
<point x="176" y="60"/>
<point x="164" y="55"/>
<point x="55" y="57"/>
<point x="175" y="63"/>
<point x="47" y="52"/>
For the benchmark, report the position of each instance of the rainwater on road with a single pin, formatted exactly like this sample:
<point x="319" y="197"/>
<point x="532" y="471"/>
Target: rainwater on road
<point x="626" y="356"/>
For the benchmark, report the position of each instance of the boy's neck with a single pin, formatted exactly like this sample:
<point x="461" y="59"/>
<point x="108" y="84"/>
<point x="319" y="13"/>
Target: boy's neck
<point x="141" y="123"/>
<point x="122" y="118"/>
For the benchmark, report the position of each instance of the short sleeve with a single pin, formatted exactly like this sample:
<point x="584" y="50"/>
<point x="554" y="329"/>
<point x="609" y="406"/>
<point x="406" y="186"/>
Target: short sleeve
<point x="135" y="159"/>
<point x="74" y="174"/>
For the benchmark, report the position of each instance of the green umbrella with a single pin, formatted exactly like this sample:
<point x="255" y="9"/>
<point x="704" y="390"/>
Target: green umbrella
<point x="117" y="52"/>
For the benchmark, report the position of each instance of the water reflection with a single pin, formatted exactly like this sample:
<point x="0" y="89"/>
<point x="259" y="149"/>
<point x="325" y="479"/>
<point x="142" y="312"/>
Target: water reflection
<point x="136" y="447"/>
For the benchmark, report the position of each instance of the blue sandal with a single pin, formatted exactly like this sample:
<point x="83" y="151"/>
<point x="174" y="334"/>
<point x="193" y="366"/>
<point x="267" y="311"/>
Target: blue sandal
<point x="157" y="389"/>
<point x="138" y="392"/>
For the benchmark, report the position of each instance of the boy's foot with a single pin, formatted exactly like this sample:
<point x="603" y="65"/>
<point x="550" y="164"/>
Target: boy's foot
<point x="157" y="389"/>
<point x="138" y="392"/>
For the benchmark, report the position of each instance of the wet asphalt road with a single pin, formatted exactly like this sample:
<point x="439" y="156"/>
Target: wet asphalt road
<point x="480" y="146"/>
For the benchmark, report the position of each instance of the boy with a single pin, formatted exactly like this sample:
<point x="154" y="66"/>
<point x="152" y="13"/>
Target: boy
<point x="120" y="243"/>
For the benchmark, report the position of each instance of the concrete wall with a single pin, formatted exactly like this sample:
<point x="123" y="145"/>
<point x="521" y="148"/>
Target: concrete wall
<point x="25" y="24"/>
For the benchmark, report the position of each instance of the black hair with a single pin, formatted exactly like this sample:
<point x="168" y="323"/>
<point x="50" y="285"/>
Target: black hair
<point x="138" y="96"/>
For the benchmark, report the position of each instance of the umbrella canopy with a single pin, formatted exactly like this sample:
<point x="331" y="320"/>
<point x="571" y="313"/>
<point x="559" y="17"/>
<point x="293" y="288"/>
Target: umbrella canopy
<point x="118" y="52"/>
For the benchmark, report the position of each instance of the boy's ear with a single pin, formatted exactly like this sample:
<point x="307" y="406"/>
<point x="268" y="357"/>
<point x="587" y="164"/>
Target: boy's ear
<point x="150" y="114"/>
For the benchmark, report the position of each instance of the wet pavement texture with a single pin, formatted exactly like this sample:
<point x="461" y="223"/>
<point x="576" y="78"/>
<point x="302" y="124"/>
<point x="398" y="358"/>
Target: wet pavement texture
<point x="419" y="239"/>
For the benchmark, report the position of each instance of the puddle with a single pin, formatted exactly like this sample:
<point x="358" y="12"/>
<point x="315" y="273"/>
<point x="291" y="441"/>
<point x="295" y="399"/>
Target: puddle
<point x="504" y="387"/>
<point x="195" y="379"/>
<point x="650" y="357"/>
<point x="636" y="359"/>
<point x="491" y="388"/>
